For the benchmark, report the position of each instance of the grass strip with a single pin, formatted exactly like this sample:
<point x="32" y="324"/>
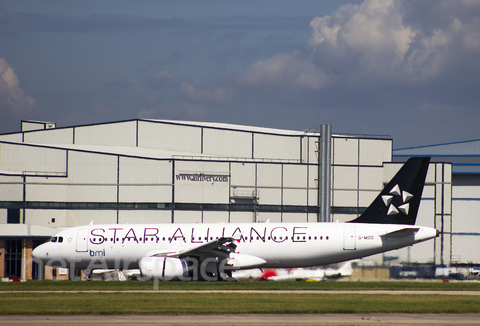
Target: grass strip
<point x="269" y="285"/>
<point x="234" y="303"/>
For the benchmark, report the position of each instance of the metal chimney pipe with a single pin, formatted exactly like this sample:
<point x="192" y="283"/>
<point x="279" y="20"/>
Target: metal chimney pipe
<point x="324" y="173"/>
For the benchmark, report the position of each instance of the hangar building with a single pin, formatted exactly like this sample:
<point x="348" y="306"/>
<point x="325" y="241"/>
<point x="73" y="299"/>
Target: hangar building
<point x="461" y="229"/>
<point x="159" y="171"/>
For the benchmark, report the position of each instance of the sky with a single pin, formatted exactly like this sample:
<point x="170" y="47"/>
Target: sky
<point x="407" y="69"/>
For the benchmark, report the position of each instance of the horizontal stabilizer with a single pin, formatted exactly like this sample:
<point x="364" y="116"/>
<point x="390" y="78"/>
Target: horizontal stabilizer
<point x="402" y="233"/>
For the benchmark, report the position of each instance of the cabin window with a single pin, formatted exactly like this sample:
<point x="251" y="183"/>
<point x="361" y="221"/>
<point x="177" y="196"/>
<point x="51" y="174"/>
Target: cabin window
<point x="309" y="238"/>
<point x="321" y="237"/>
<point x="326" y="237"/>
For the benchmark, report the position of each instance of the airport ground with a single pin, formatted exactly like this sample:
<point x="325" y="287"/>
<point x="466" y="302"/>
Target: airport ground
<point x="246" y="319"/>
<point x="275" y="303"/>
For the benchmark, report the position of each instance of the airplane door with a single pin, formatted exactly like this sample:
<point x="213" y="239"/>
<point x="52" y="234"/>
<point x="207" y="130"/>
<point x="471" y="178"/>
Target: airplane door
<point x="349" y="238"/>
<point x="82" y="240"/>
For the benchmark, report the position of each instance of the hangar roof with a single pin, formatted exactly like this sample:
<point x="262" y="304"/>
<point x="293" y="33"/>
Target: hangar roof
<point x="314" y="131"/>
<point x="38" y="126"/>
<point x="463" y="148"/>
<point x="464" y="155"/>
<point x="64" y="138"/>
<point x="230" y="126"/>
<point x="120" y="150"/>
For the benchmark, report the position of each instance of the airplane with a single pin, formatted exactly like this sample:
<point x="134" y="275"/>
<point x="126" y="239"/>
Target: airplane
<point x="211" y="251"/>
<point x="295" y="274"/>
<point x="112" y="274"/>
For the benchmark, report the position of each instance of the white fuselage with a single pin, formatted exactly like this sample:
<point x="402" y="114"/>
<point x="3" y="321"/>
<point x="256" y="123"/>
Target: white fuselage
<point x="280" y="245"/>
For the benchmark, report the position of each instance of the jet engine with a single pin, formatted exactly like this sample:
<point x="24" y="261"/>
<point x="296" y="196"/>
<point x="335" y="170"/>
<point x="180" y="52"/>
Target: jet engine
<point x="164" y="268"/>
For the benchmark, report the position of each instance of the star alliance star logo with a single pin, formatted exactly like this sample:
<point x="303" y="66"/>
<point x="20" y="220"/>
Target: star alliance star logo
<point x="404" y="207"/>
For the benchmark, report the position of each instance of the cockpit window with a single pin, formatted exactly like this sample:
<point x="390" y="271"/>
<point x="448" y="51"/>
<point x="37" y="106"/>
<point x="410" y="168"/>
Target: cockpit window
<point x="60" y="239"/>
<point x="53" y="239"/>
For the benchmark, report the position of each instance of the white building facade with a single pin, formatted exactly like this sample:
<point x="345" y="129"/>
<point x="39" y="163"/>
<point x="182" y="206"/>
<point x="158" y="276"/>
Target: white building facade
<point x="159" y="171"/>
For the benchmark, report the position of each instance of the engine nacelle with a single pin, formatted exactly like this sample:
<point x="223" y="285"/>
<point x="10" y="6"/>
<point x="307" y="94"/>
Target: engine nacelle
<point x="164" y="268"/>
<point x="243" y="261"/>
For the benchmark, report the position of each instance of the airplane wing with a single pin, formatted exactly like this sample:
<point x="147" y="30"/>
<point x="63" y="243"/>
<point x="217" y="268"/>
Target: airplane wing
<point x="221" y="247"/>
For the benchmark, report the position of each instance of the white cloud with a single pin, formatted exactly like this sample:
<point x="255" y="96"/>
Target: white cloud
<point x="216" y="95"/>
<point x="181" y="100"/>
<point x="194" y="112"/>
<point x="283" y="71"/>
<point x="379" y="43"/>
<point x="13" y="101"/>
<point x="357" y="40"/>
<point x="382" y="40"/>
<point x="161" y="79"/>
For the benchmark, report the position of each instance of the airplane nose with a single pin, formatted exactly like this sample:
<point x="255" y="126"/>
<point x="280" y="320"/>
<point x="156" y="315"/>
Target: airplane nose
<point x="39" y="252"/>
<point x="438" y="233"/>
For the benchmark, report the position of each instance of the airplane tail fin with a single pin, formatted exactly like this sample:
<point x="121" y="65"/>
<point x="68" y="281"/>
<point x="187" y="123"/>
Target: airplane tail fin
<point x="399" y="200"/>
